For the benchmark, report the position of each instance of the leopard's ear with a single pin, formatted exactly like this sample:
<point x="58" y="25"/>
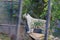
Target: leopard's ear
<point x="27" y="14"/>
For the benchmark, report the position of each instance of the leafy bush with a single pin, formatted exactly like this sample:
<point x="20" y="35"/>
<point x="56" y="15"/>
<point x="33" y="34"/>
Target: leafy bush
<point x="4" y="36"/>
<point x="38" y="24"/>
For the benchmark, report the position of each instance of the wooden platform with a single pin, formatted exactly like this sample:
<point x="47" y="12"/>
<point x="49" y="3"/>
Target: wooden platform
<point x="37" y="36"/>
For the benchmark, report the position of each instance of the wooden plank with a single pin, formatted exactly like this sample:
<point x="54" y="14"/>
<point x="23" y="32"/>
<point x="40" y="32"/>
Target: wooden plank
<point x="6" y="25"/>
<point x="37" y="36"/>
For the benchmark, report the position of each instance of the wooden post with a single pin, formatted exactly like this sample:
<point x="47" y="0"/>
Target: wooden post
<point x="48" y="20"/>
<point x="19" y="20"/>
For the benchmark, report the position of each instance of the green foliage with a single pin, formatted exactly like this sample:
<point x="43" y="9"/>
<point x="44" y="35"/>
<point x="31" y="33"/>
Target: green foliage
<point x="56" y="9"/>
<point x="37" y="24"/>
<point x="55" y="15"/>
<point x="57" y="28"/>
<point x="12" y="8"/>
<point x="36" y="8"/>
<point x="4" y="37"/>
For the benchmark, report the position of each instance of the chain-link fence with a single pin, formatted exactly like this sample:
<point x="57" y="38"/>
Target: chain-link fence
<point x="8" y="16"/>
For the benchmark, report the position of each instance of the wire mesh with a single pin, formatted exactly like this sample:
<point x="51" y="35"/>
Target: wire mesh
<point x="7" y="22"/>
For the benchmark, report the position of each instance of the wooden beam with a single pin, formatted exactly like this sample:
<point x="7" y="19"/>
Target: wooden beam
<point x="36" y="36"/>
<point x="7" y="25"/>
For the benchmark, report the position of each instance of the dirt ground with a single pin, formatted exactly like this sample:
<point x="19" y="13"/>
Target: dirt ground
<point x="23" y="34"/>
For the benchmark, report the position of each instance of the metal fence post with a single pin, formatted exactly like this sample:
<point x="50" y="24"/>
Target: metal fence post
<point x="48" y="20"/>
<point x="19" y="20"/>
